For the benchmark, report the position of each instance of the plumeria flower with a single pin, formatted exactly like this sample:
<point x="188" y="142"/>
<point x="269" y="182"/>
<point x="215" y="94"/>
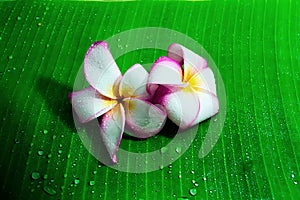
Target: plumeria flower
<point x="186" y="86"/>
<point x="118" y="102"/>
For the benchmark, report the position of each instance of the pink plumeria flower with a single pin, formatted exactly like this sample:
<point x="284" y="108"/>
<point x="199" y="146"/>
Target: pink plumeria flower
<point x="119" y="102"/>
<point x="187" y="92"/>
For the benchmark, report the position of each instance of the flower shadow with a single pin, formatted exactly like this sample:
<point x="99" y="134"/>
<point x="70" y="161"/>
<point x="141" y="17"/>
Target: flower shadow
<point x="55" y="95"/>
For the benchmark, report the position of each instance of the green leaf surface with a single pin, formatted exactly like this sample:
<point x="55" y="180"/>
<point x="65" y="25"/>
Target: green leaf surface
<point x="256" y="46"/>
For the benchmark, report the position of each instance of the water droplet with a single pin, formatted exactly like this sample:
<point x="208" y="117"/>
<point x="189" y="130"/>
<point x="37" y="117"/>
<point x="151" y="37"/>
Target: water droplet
<point x="193" y="191"/>
<point x="39" y="24"/>
<point x="76" y="181"/>
<point x="47" y="8"/>
<point x="296" y="182"/>
<point x="35" y="175"/>
<point x="192" y="172"/>
<point x="204" y="178"/>
<point x="293" y="175"/>
<point x="161" y="167"/>
<point x="19" y="18"/>
<point x="45" y="131"/>
<point x="193" y="181"/>
<point x="179" y="176"/>
<point x="163" y="150"/>
<point x="91" y="183"/>
<point x="94" y="172"/>
<point x="10" y="57"/>
<point x="178" y="149"/>
<point x="45" y="176"/>
<point x="40" y="152"/>
<point x="60" y="151"/>
<point x="65" y="175"/>
<point x="49" y="190"/>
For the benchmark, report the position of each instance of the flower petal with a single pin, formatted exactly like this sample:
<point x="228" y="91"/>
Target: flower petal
<point x="165" y="71"/>
<point x="134" y="82"/>
<point x="192" y="62"/>
<point x="143" y="119"/>
<point x="100" y="69"/>
<point x="111" y="128"/>
<point x="209" y="106"/>
<point x="90" y="104"/>
<point x="204" y="79"/>
<point x="182" y="106"/>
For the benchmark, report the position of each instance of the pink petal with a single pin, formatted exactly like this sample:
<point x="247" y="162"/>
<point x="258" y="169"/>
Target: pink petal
<point x="143" y="119"/>
<point x="111" y="128"/>
<point x="165" y="71"/>
<point x="100" y="69"/>
<point x="192" y="62"/>
<point x="90" y="104"/>
<point x="183" y="107"/>
<point x="134" y="82"/>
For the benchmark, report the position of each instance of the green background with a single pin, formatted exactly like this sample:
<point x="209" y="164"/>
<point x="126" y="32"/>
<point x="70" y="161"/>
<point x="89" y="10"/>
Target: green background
<point x="256" y="46"/>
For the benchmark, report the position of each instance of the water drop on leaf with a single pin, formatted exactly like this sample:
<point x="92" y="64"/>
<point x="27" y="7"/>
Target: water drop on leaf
<point x="178" y="149"/>
<point x="76" y="181"/>
<point x="193" y="191"/>
<point x="91" y="183"/>
<point x="35" y="175"/>
<point x="40" y="152"/>
<point x="49" y="190"/>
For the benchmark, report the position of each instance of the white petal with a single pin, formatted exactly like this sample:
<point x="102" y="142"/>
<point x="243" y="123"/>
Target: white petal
<point x="90" y="104"/>
<point x="134" y="82"/>
<point x="111" y="128"/>
<point x="143" y="119"/>
<point x="100" y="69"/>
<point x="165" y="71"/>
<point x="192" y="62"/>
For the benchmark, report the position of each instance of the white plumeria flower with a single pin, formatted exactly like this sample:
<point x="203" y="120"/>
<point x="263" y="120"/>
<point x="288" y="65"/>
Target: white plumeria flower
<point x="187" y="92"/>
<point x="119" y="102"/>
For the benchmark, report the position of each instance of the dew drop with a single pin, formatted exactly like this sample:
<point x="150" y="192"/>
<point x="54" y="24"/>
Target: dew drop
<point x="10" y="57"/>
<point x="49" y="190"/>
<point x="19" y="18"/>
<point x="94" y="172"/>
<point x="296" y="182"/>
<point x="91" y="183"/>
<point x="35" y="175"/>
<point x="293" y="175"/>
<point x="163" y="150"/>
<point x="45" y="131"/>
<point x="178" y="149"/>
<point x="193" y="191"/>
<point x="40" y="152"/>
<point x="60" y="151"/>
<point x="76" y="181"/>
